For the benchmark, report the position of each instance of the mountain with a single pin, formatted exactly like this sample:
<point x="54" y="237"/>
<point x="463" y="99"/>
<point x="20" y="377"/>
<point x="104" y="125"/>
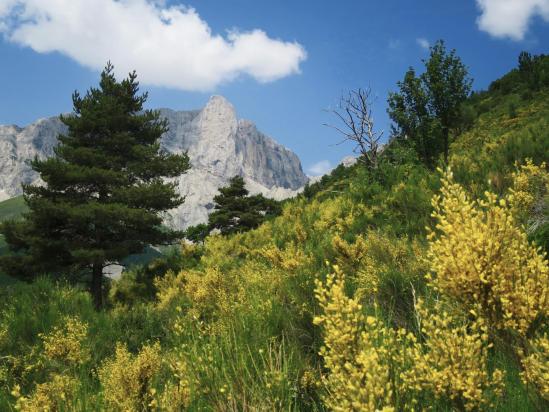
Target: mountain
<point x="219" y="146"/>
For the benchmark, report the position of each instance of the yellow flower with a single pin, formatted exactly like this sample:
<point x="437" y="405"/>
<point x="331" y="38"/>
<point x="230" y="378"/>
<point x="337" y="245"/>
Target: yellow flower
<point x="453" y="360"/>
<point x="56" y="394"/>
<point x="127" y="379"/>
<point x="358" y="377"/>
<point x="67" y="343"/>
<point x="536" y="366"/>
<point x="478" y="254"/>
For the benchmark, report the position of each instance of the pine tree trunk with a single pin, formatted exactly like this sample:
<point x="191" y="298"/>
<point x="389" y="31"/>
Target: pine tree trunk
<point x="97" y="285"/>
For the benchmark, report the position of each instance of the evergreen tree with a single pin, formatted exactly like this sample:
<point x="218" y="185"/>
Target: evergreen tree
<point x="235" y="211"/>
<point x="533" y="70"/>
<point x="104" y="190"/>
<point x="427" y="108"/>
<point x="197" y="233"/>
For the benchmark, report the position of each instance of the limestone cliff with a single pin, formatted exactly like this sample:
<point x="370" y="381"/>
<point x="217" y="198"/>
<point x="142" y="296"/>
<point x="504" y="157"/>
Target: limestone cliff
<point x="219" y="146"/>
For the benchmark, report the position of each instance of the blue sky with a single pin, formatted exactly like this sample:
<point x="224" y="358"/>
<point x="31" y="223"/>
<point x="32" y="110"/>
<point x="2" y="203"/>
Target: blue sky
<point x="281" y="63"/>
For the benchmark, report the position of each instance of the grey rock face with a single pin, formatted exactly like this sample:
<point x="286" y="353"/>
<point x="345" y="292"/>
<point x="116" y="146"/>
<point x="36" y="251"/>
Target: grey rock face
<point x="20" y="145"/>
<point x="218" y="144"/>
<point x="265" y="161"/>
<point x="348" y="161"/>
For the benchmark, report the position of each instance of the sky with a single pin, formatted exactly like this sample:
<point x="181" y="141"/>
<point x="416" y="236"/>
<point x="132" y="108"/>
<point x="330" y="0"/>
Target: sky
<point x="283" y="64"/>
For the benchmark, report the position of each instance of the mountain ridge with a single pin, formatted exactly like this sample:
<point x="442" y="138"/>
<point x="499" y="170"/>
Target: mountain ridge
<point x="219" y="145"/>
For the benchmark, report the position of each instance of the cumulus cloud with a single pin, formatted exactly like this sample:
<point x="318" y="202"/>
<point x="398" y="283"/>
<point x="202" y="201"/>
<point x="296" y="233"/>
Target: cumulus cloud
<point x="423" y="43"/>
<point x="510" y="18"/>
<point x="320" y="168"/>
<point x="169" y="46"/>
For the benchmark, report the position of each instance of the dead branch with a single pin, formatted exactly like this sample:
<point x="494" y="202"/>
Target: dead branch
<point x="357" y="124"/>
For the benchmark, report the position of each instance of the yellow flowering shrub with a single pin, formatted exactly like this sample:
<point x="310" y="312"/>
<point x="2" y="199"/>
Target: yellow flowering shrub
<point x="354" y="352"/>
<point x="221" y="251"/>
<point x="309" y="381"/>
<point x="536" y="366"/>
<point x="452" y="360"/>
<point x="176" y="395"/>
<point x="169" y="288"/>
<point x="55" y="395"/>
<point x="258" y="237"/>
<point x="530" y="185"/>
<point x="213" y="295"/>
<point x="300" y="233"/>
<point x="479" y="255"/>
<point x="336" y="214"/>
<point x="289" y="259"/>
<point x="373" y="255"/>
<point x="4" y="369"/>
<point x="127" y="379"/>
<point x="350" y="256"/>
<point x="353" y="258"/>
<point x="68" y="342"/>
<point x="212" y="292"/>
<point x="372" y="367"/>
<point x="208" y="293"/>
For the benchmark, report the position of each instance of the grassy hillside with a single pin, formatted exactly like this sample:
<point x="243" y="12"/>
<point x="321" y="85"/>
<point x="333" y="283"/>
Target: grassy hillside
<point x="9" y="209"/>
<point x="12" y="208"/>
<point x="326" y="304"/>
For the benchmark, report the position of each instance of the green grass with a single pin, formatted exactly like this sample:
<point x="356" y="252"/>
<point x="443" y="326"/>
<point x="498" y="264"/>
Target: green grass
<point x="9" y="209"/>
<point x="12" y="208"/>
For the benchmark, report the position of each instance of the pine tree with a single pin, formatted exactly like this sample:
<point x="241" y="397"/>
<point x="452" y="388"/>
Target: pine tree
<point x="197" y="233"/>
<point x="235" y="211"/>
<point x="104" y="190"/>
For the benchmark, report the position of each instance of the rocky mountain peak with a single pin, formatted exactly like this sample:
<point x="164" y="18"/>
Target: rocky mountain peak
<point x="218" y="117"/>
<point x="219" y="146"/>
<point x="216" y="126"/>
<point x="219" y="104"/>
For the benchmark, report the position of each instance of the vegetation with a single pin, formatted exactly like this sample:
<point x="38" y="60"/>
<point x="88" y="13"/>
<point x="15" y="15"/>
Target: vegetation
<point x="9" y="209"/>
<point x="12" y="208"/>
<point x="104" y="191"/>
<point x="429" y="107"/>
<point x="394" y="288"/>
<point x="235" y="211"/>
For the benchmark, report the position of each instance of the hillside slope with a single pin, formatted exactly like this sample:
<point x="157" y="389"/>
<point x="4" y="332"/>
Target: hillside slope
<point x="9" y="209"/>
<point x="12" y="208"/>
<point x="256" y="321"/>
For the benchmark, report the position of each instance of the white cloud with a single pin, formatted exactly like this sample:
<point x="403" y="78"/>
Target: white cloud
<point x="320" y="168"/>
<point x="168" y="46"/>
<point x="423" y="43"/>
<point x="510" y="18"/>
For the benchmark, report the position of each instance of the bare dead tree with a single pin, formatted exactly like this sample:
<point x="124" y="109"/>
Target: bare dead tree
<point x="355" y="113"/>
